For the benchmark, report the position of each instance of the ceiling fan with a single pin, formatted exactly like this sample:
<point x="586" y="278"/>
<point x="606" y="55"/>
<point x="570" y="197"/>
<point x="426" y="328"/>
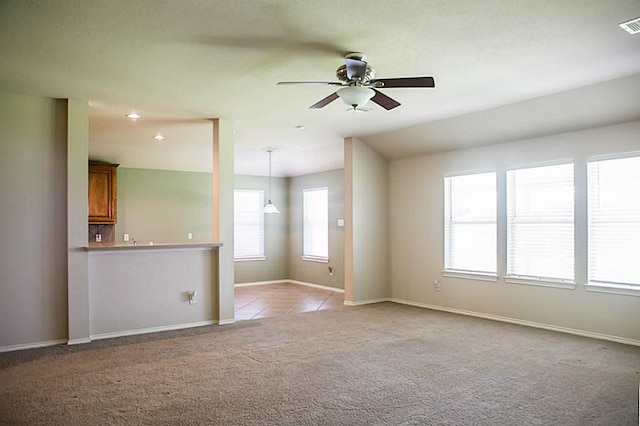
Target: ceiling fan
<point x="360" y="86"/>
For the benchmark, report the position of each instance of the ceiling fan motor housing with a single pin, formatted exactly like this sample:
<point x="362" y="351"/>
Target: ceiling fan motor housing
<point x="369" y="74"/>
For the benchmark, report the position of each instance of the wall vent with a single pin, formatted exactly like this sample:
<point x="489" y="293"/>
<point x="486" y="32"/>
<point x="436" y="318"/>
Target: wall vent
<point x="632" y="26"/>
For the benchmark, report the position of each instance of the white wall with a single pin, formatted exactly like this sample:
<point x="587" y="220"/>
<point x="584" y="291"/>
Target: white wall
<point x="33" y="220"/>
<point x="416" y="239"/>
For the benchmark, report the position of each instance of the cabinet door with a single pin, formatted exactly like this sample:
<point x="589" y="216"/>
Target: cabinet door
<point x="102" y="195"/>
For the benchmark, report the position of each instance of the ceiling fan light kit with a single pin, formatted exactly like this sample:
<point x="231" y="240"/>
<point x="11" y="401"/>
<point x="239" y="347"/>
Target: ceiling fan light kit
<point x="355" y="96"/>
<point x="360" y="86"/>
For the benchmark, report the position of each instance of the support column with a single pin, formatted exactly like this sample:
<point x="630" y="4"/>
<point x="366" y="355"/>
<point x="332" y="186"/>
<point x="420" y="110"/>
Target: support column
<point x="77" y="221"/>
<point x="223" y="141"/>
<point x="366" y="223"/>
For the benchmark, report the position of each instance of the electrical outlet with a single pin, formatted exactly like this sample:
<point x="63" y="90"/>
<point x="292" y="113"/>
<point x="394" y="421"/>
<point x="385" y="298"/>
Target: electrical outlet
<point x="192" y="297"/>
<point x="98" y="238"/>
<point x="126" y="237"/>
<point x="189" y="236"/>
<point x="436" y="284"/>
<point x="330" y="271"/>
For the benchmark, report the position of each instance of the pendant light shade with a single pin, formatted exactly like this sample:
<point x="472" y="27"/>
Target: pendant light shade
<point x="270" y="207"/>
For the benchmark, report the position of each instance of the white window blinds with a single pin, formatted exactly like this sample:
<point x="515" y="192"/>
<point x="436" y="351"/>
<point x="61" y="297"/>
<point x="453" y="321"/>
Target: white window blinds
<point x="540" y="231"/>
<point x="470" y="223"/>
<point x="248" y="224"/>
<point x="315" y="223"/>
<point x="614" y="221"/>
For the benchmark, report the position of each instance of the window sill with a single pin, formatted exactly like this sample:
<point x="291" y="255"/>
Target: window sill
<point x="479" y="276"/>
<point x="316" y="259"/>
<point x="541" y="282"/>
<point x="628" y="290"/>
<point x="249" y="259"/>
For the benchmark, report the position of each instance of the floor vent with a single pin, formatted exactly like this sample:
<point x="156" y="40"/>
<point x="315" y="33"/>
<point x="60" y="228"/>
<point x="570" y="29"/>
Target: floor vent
<point x="632" y="26"/>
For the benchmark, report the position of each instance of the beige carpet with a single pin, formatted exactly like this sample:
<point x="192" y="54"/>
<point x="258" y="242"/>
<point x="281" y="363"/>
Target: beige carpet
<point x="382" y="364"/>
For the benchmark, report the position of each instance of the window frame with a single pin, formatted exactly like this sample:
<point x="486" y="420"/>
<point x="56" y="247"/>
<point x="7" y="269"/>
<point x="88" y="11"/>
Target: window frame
<point x="314" y="257"/>
<point x="449" y="223"/>
<point x="604" y="285"/>
<point x="261" y="255"/>
<point x="510" y="222"/>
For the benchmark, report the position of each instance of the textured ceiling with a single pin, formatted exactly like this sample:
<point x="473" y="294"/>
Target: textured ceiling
<point x="179" y="63"/>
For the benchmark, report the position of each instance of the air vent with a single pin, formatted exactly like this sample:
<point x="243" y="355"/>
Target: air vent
<point x="632" y="26"/>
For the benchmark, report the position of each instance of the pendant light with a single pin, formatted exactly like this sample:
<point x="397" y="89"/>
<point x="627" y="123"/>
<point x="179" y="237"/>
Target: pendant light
<point x="270" y="207"/>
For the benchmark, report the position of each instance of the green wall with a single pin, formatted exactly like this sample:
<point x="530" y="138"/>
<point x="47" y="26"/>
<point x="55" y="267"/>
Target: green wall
<point x="275" y="267"/>
<point x="283" y="232"/>
<point x="164" y="206"/>
<point x="309" y="271"/>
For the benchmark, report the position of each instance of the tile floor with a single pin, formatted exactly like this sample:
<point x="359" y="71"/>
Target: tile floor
<point x="270" y="300"/>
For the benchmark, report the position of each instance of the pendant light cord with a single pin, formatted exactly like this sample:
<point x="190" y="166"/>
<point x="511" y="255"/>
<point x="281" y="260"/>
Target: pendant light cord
<point x="270" y="175"/>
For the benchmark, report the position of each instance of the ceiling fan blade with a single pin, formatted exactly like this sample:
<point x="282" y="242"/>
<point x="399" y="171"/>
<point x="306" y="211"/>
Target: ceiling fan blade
<point x="332" y="97"/>
<point x="313" y="83"/>
<point x="384" y="101"/>
<point x="355" y="68"/>
<point x="404" y="82"/>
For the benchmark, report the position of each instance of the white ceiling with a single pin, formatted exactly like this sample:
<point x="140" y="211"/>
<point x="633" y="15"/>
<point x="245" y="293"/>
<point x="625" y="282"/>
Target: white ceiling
<point x="179" y="63"/>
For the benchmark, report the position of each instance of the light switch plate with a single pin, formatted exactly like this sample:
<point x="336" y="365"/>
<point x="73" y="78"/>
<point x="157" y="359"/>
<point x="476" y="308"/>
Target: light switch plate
<point x="340" y="222"/>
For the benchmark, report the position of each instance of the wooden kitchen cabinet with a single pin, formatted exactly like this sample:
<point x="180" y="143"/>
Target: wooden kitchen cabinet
<point x="103" y="193"/>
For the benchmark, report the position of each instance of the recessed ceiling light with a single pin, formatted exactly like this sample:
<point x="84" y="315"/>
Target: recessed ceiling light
<point x="133" y="116"/>
<point x="158" y="137"/>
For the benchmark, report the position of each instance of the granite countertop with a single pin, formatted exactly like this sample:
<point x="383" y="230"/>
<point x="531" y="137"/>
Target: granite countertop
<point x="148" y="246"/>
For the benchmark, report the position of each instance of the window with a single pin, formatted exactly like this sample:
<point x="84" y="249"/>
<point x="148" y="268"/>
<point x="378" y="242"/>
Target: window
<point x="614" y="221"/>
<point x="248" y="225"/>
<point x="470" y="223"/>
<point x="540" y="230"/>
<point x="315" y="224"/>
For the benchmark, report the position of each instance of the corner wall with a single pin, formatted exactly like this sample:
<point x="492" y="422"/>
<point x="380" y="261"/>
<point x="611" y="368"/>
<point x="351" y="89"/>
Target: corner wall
<point x="366" y="222"/>
<point x="309" y="271"/>
<point x="276" y="266"/>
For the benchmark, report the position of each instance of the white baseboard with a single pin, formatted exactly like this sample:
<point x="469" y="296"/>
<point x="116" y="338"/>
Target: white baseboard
<point x="227" y="322"/>
<point x="323" y="287"/>
<point x="34" y="345"/>
<point x="366" y="302"/>
<point x="260" y="283"/>
<point x="79" y="341"/>
<point x="152" y="330"/>
<point x="533" y="324"/>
